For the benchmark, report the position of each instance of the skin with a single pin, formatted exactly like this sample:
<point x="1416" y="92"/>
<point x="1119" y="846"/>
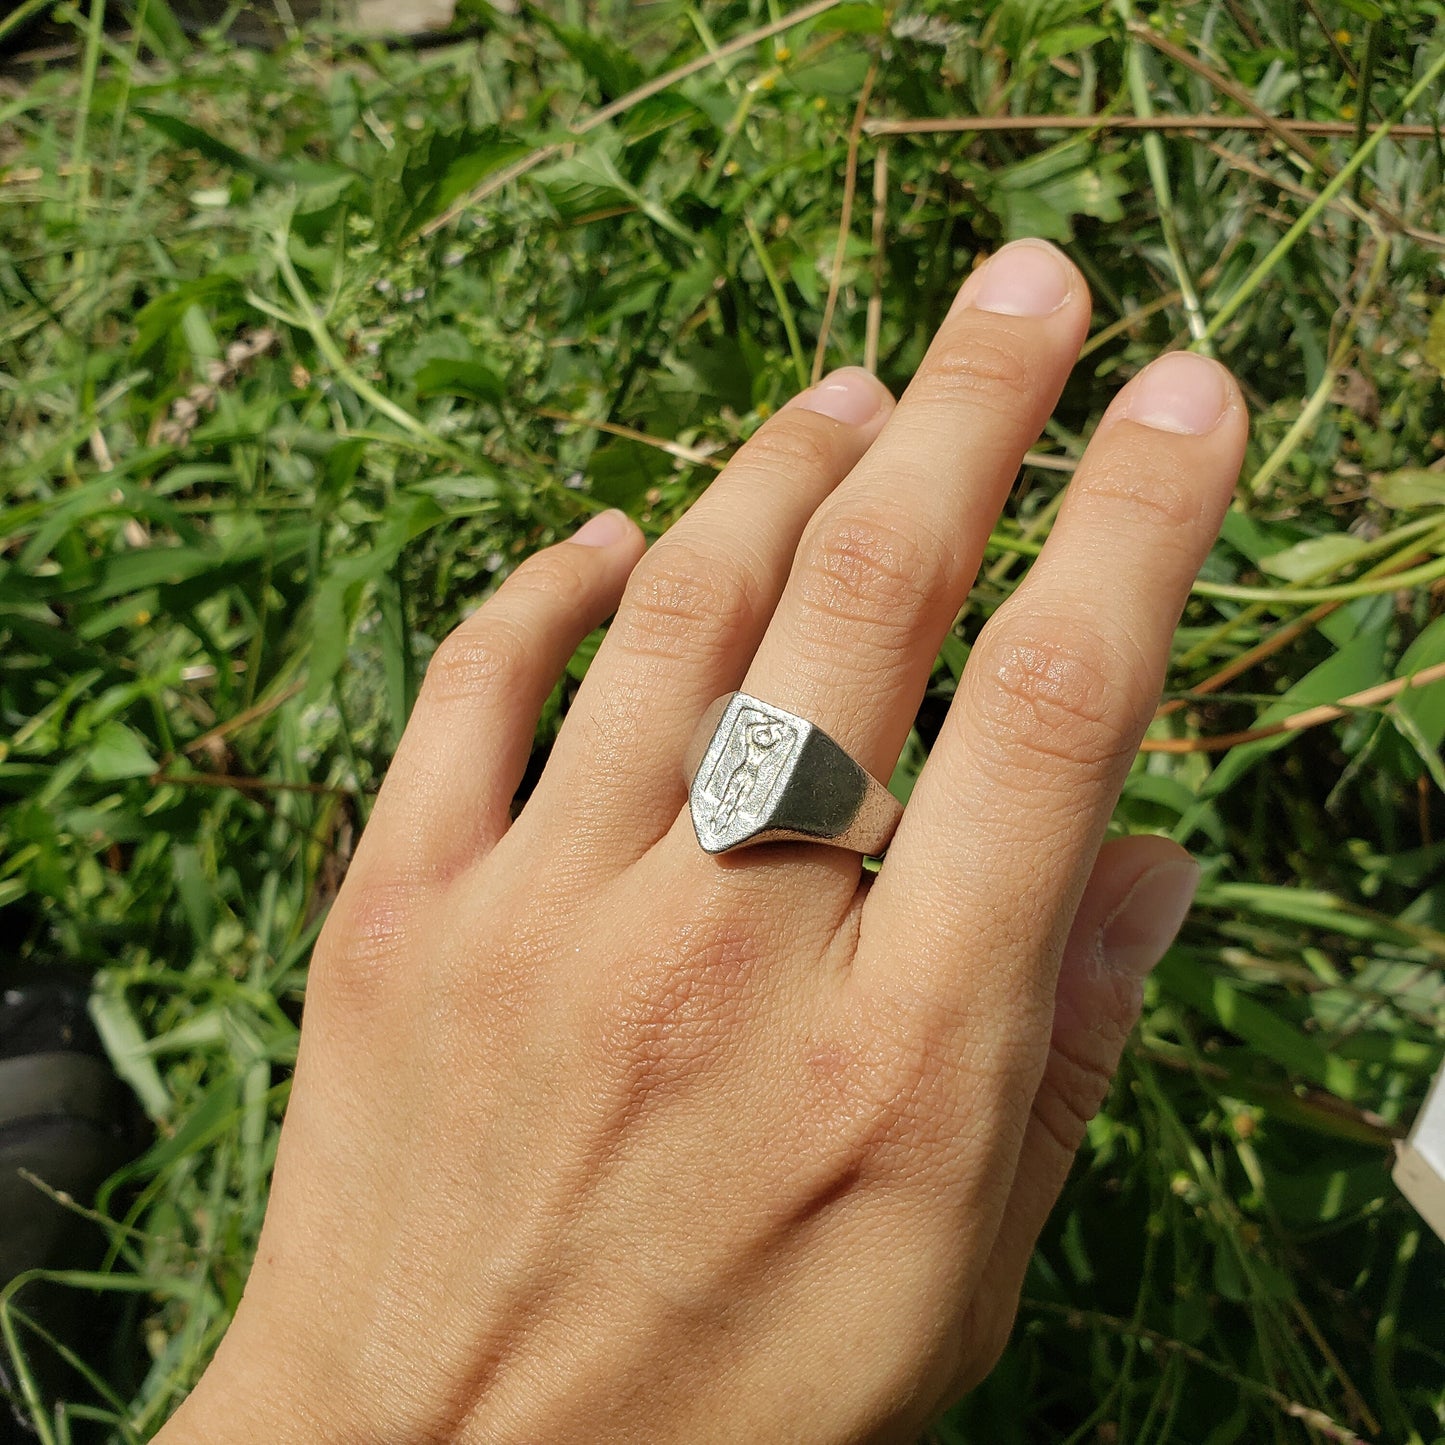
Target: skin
<point x="597" y="1138"/>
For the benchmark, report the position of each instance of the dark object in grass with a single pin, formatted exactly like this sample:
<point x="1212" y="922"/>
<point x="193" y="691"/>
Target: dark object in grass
<point x="65" y="1119"/>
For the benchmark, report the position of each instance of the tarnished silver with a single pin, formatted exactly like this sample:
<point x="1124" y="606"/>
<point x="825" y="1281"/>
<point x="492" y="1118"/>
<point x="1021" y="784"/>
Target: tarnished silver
<point x="758" y="774"/>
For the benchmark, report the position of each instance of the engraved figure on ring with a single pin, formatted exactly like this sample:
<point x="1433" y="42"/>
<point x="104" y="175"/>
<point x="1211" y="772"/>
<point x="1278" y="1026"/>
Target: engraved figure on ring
<point x="762" y="754"/>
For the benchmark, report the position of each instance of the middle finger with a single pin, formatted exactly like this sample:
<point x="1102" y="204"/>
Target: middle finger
<point x="888" y="558"/>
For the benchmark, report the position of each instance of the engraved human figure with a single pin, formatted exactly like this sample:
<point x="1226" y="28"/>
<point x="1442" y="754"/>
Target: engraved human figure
<point x="759" y="738"/>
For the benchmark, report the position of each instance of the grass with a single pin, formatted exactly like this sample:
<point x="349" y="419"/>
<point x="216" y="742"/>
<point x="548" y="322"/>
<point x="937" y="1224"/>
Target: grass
<point x="301" y="350"/>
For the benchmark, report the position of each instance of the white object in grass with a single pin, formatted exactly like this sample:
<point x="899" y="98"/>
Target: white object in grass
<point x="1420" y="1160"/>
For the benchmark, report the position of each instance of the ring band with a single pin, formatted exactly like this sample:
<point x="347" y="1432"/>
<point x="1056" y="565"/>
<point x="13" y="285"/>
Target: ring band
<point x="758" y="774"/>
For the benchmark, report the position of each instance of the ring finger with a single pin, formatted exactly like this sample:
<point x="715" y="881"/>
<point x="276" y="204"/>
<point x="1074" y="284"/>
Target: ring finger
<point x="887" y="561"/>
<point x="690" y="619"/>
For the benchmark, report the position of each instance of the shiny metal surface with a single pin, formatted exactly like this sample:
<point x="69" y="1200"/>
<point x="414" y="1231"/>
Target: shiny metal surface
<point x="760" y="774"/>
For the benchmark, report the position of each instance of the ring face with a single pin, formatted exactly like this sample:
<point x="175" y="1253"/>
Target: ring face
<point x="753" y="751"/>
<point x="759" y="774"/>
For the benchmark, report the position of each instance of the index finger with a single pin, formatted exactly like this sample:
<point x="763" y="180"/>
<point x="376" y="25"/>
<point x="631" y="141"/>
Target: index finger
<point x="981" y="882"/>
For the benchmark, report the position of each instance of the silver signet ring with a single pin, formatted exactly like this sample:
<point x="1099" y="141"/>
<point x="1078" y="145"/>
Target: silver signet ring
<point x="758" y="774"/>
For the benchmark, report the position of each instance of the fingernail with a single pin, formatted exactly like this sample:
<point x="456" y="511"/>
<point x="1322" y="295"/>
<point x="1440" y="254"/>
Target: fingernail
<point x="1181" y="392"/>
<point x="1137" y="934"/>
<point x="850" y="395"/>
<point x="1026" y="278"/>
<point x="606" y="529"/>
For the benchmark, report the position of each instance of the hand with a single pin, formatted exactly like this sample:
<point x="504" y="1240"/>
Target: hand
<point x="596" y="1137"/>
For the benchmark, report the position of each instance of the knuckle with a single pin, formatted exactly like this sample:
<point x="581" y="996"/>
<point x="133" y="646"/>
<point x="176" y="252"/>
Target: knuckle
<point x="553" y="577"/>
<point x="681" y="603"/>
<point x="794" y="444"/>
<point x="487" y="654"/>
<point x="885" y="1088"/>
<point x="666" y="1015"/>
<point x="861" y="568"/>
<point x="1146" y="482"/>
<point x="359" y="956"/>
<point x="1058" y="689"/>
<point x="982" y="366"/>
<point x="1076" y="1082"/>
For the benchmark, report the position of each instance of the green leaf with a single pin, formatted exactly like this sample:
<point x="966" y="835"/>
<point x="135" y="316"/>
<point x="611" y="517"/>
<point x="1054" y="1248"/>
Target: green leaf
<point x="590" y="181"/>
<point x="1424" y="706"/>
<point x="1318" y="1196"/>
<point x="444" y="376"/>
<point x="1318" y="556"/>
<point x="339" y="592"/>
<point x="1410" y="488"/>
<point x="192" y="137"/>
<point x="1356" y="666"/>
<point x="614" y="69"/>
<point x="423" y="180"/>
<point x="158" y="318"/>
<point x="117" y="752"/>
<point x="856" y="19"/>
<point x="1070" y="40"/>
<point x="1218" y="998"/>
<point x="1435" y="340"/>
<point x="125" y="1043"/>
<point x="1040" y="196"/>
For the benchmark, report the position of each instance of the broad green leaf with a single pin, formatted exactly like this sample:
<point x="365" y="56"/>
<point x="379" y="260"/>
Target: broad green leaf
<point x="125" y="1044"/>
<point x="192" y="137"/>
<point x="1410" y="488"/>
<point x="615" y="69"/>
<point x="1070" y="40"/>
<point x="859" y="19"/>
<point x="1435" y="339"/>
<point x="446" y="377"/>
<point x="1319" y="1196"/>
<point x="1251" y="1019"/>
<point x="118" y="752"/>
<point x="1041" y="195"/>
<point x="1356" y="666"/>
<point x="1424" y="706"/>
<point x="1316" y="557"/>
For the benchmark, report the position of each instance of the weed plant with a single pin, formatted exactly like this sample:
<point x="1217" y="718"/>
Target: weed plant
<point x="302" y="349"/>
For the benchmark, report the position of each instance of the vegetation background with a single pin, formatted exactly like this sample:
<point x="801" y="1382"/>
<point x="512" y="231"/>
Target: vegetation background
<point x="301" y="349"/>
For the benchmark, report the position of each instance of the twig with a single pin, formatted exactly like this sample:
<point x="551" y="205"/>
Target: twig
<point x="1308" y="216"/>
<point x="1281" y="638"/>
<point x="1341" y="54"/>
<point x="1283" y="131"/>
<point x="1287" y="132"/>
<point x="880" y="245"/>
<point x="1080" y="1319"/>
<point x="1310" y="1100"/>
<point x="243" y="719"/>
<point x="1050" y="462"/>
<point x="1246" y="25"/>
<point x="624" y="103"/>
<point x="845" y="219"/>
<point x="674" y="449"/>
<point x="1252" y="124"/>
<point x="1297" y="722"/>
